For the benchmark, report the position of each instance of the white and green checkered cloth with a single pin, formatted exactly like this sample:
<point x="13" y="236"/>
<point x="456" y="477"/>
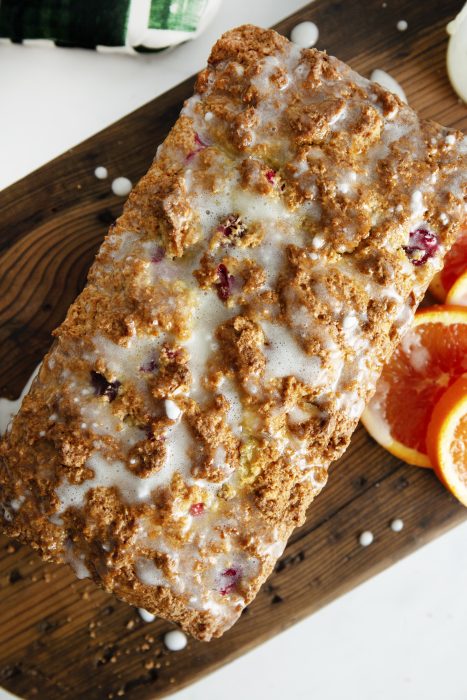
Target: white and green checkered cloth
<point x="106" y="25"/>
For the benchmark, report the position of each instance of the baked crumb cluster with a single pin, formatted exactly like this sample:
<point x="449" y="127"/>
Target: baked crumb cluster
<point x="233" y="326"/>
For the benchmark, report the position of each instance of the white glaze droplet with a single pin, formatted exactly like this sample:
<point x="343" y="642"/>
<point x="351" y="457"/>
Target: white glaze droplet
<point x="417" y="206"/>
<point x="175" y="640"/>
<point x="146" y="615"/>
<point x="402" y="25"/>
<point x="444" y="218"/>
<point x="397" y="525"/>
<point x="349" y="322"/>
<point x="388" y="82"/>
<point x="172" y="410"/>
<point x="121" y="186"/>
<point x="305" y="34"/>
<point x="318" y="242"/>
<point x="101" y="173"/>
<point x="76" y="561"/>
<point x="366" y="538"/>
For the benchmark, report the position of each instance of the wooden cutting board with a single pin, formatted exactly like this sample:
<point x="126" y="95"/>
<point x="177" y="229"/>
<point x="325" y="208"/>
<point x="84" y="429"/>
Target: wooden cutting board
<point x="62" y="638"/>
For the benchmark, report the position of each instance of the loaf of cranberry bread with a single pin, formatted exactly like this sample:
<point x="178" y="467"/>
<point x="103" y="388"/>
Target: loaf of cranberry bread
<point x="233" y="326"/>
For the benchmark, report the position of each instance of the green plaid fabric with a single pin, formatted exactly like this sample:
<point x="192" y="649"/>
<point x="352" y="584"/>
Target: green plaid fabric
<point x="134" y="24"/>
<point x="183" y="15"/>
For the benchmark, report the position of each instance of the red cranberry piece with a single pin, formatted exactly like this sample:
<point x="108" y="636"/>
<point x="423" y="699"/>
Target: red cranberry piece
<point x="172" y="354"/>
<point x="224" y="286"/>
<point x="149" y="366"/>
<point x="234" y="576"/>
<point x="102" y="387"/>
<point x="199" y="146"/>
<point x="270" y="176"/>
<point x="233" y="227"/>
<point x="422" y="245"/>
<point x="197" y="509"/>
<point x="158" y="255"/>
<point x="199" y="142"/>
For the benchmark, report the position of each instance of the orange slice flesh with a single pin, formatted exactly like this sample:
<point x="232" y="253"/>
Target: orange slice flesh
<point x="455" y="264"/>
<point x="431" y="356"/>
<point x="447" y="439"/>
<point x="458" y="293"/>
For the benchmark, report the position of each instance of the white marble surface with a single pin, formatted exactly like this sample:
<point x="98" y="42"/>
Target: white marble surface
<point x="400" y="635"/>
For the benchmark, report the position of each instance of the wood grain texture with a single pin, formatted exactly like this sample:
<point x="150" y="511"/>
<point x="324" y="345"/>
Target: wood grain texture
<point x="62" y="638"/>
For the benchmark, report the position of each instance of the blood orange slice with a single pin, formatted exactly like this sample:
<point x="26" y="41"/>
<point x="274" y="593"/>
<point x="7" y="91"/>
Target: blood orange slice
<point x="431" y="356"/>
<point x="455" y="263"/>
<point x="447" y="439"/>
